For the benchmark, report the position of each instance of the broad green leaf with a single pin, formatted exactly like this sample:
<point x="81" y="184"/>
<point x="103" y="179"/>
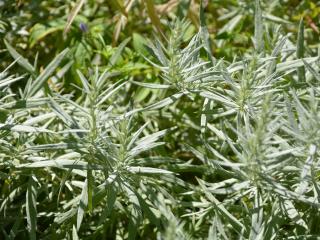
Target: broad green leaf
<point x="141" y="94"/>
<point x="115" y="57"/>
<point x="40" y="31"/>
<point x="139" y="43"/>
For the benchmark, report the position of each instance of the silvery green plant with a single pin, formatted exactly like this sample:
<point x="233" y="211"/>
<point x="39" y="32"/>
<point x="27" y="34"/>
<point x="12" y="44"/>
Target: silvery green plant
<point x="238" y="158"/>
<point x="244" y="112"/>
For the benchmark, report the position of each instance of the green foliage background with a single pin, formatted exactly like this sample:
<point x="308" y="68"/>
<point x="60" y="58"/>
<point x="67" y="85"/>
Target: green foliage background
<point x="145" y="119"/>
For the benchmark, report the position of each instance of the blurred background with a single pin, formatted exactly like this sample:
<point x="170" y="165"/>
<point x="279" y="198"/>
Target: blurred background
<point x="38" y="30"/>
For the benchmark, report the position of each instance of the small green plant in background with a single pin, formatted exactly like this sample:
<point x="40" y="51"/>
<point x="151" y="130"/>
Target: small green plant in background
<point x="162" y="138"/>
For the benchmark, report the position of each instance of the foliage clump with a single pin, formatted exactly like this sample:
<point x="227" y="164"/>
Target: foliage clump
<point x="162" y="139"/>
